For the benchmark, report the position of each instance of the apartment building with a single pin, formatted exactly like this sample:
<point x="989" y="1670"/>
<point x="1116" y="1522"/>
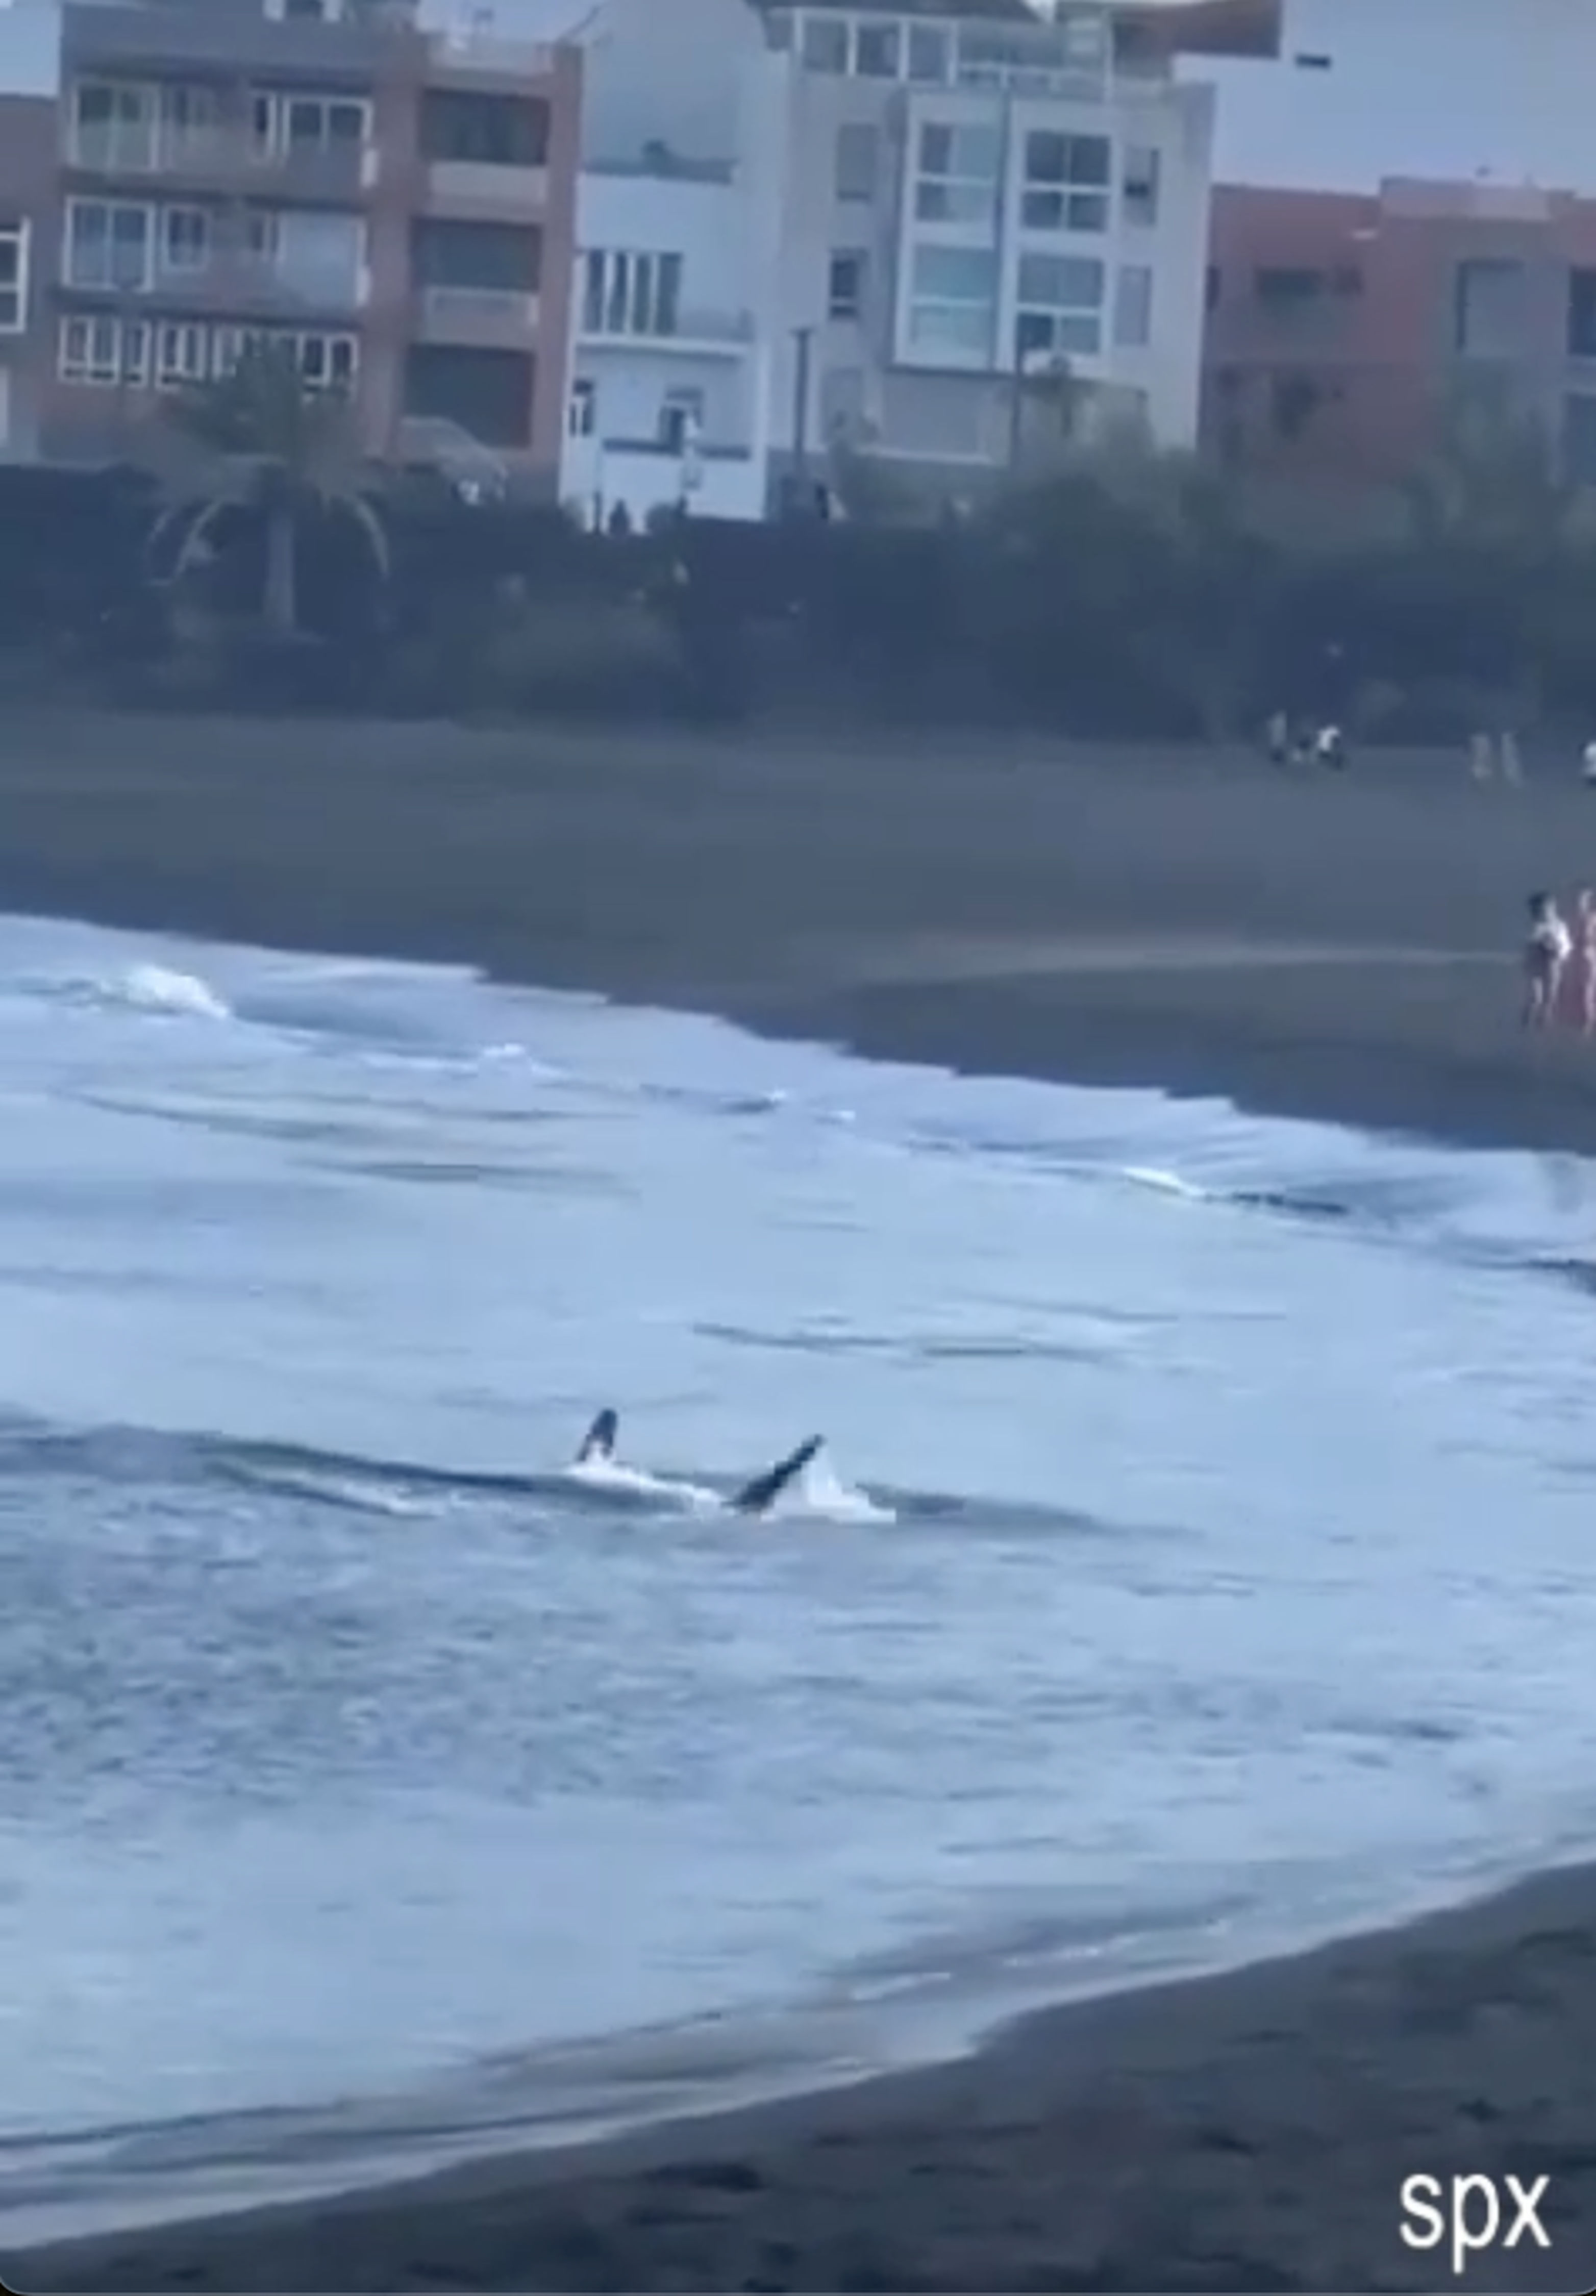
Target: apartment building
<point x="1346" y="329"/>
<point x="978" y="196"/>
<point x="680" y="215"/>
<point x="397" y="206"/>
<point x="30" y="89"/>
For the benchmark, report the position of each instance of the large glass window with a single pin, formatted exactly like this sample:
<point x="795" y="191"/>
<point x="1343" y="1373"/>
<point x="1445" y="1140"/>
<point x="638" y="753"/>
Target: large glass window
<point x="952" y="300"/>
<point x="107" y="245"/>
<point x="956" y="179"/>
<point x="1060" y="305"/>
<point x="1066" y="180"/>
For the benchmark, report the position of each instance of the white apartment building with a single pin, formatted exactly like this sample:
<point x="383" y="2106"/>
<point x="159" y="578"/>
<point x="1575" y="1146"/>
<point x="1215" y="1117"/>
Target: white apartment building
<point x="1444" y="90"/>
<point x="978" y="196"/>
<point x="678" y="233"/>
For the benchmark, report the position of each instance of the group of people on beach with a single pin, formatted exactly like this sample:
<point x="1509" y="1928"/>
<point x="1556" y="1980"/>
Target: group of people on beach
<point x="1559" y="964"/>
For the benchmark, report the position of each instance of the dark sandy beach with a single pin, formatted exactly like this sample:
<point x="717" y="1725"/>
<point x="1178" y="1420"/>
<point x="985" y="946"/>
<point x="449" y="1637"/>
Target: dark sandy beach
<point x="1340" y="951"/>
<point x="1248" y="2132"/>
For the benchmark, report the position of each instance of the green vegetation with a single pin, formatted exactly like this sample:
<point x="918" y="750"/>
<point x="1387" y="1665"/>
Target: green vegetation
<point x="1101" y="589"/>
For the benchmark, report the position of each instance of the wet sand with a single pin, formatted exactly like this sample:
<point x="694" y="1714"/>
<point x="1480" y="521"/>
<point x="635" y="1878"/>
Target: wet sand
<point x="1332" y="949"/>
<point x="1316" y="946"/>
<point x="1245" y="2132"/>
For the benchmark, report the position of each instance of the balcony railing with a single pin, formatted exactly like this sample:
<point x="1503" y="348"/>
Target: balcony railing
<point x="479" y="183"/>
<point x="226" y="154"/>
<point x="485" y="317"/>
<point x="694" y="331"/>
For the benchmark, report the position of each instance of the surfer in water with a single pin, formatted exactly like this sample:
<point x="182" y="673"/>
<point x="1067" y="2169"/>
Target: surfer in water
<point x="758" y="1496"/>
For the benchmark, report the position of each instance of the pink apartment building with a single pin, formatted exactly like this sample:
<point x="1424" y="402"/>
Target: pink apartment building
<point x="398" y="207"/>
<point x="1341" y="327"/>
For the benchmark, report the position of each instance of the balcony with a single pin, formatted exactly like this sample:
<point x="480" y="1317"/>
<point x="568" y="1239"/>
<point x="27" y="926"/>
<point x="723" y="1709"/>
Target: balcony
<point x="469" y="59"/>
<point x="476" y="318"/>
<point x="696" y="333"/>
<point x="221" y="159"/>
<point x="474" y="189"/>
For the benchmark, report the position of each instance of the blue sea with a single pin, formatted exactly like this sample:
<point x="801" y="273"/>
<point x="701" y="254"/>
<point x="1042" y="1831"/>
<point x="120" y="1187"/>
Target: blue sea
<point x="1200" y="1561"/>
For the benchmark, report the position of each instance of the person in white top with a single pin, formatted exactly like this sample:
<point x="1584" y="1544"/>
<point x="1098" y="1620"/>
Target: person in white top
<point x="1546" y="952"/>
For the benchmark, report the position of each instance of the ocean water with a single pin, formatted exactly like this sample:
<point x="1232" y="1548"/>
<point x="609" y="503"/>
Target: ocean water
<point x="1201" y="1559"/>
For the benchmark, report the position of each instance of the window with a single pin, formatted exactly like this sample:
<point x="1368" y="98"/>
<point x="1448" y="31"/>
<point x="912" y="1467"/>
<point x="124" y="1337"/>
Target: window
<point x="113" y="124"/>
<point x="1061" y="299"/>
<point x="1133" y="306"/>
<point x="1287" y="289"/>
<point x="681" y="419"/>
<point x="928" y="54"/>
<point x="582" y="414"/>
<point x="877" y="51"/>
<point x="1488" y="307"/>
<point x="326" y="362"/>
<point x="182" y="356"/>
<point x="845" y="291"/>
<point x="492" y="131"/>
<point x="627" y="294"/>
<point x="1139" y="184"/>
<point x="282" y="126"/>
<point x="958" y="173"/>
<point x="13" y="277"/>
<point x="263" y="234"/>
<point x="89" y="350"/>
<point x="1065" y="182"/>
<point x="825" y="43"/>
<point x="184" y="239"/>
<point x="859" y="161"/>
<point x="953" y="301"/>
<point x="188" y="117"/>
<point x="109" y="244"/>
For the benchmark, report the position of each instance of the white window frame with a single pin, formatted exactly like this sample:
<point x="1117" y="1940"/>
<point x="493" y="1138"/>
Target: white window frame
<point x="88" y="348"/>
<point x="272" y="116"/>
<point x="13" y="294"/>
<point x="182" y="354"/>
<point x="680" y="418"/>
<point x="131" y="136"/>
<point x="952" y="329"/>
<point x="1072" y="328"/>
<point x="1141" y="184"/>
<point x="632" y="293"/>
<point x="958" y="193"/>
<point x="1134" y="290"/>
<point x="262" y="232"/>
<point x="327" y="350"/>
<point x="1071" y="203"/>
<point x="582" y="411"/>
<point x="845" y="301"/>
<point x="110" y="209"/>
<point x="197" y="257"/>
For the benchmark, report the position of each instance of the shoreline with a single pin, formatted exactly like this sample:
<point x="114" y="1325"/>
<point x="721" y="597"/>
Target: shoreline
<point x="1336" y="951"/>
<point x="1250" y="2129"/>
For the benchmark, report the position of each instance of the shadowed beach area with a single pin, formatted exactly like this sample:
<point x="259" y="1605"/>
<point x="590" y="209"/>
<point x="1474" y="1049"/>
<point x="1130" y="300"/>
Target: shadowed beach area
<point x="1338" y="949"/>
<point x="1313" y="946"/>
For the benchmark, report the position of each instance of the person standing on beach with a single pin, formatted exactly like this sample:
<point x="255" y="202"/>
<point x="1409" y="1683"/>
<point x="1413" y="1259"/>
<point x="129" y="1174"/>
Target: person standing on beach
<point x="1579" y="976"/>
<point x="1546" y="952"/>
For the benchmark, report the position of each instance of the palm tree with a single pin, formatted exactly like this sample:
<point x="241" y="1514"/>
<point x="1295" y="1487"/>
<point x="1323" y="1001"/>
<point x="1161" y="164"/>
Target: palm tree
<point x="275" y="448"/>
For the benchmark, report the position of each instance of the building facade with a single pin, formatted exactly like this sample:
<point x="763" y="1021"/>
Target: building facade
<point x="398" y="207"/>
<point x="676" y="304"/>
<point x="980" y="197"/>
<point x="29" y="93"/>
<point x="1347" y="330"/>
